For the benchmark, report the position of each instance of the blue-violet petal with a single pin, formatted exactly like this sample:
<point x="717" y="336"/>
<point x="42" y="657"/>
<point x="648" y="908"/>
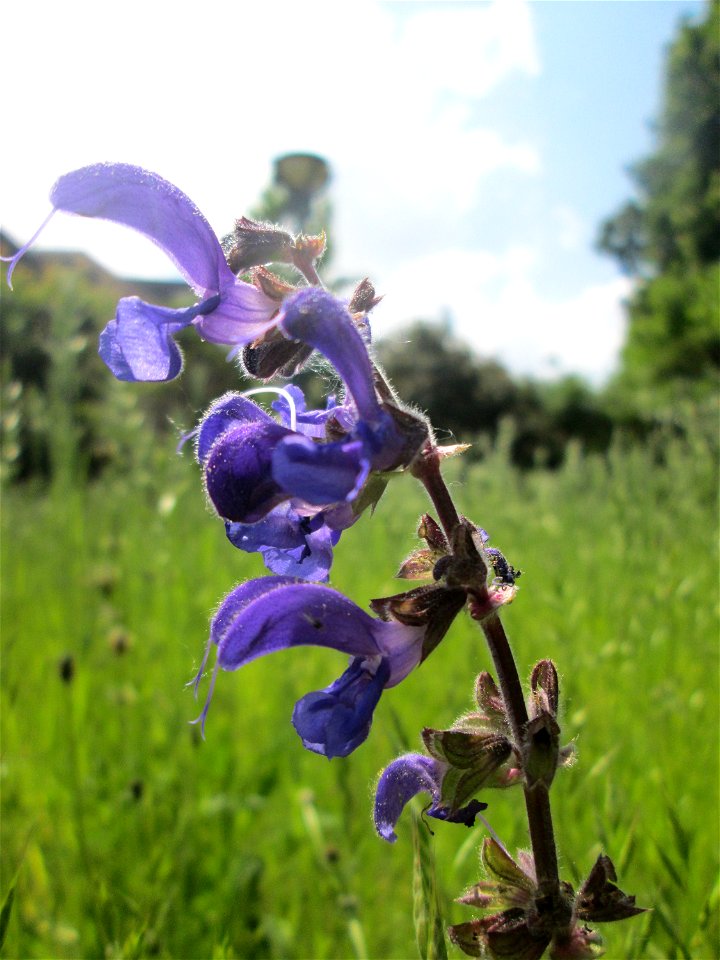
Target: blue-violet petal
<point x="336" y="720"/>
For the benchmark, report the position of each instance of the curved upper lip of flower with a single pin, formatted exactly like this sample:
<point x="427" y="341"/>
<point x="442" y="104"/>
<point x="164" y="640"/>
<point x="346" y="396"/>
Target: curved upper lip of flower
<point x="277" y="612"/>
<point x="138" y="344"/>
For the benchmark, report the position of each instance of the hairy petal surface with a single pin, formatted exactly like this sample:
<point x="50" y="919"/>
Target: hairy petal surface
<point x="403" y="779"/>
<point x="286" y="614"/>
<point x="144" y="201"/>
<point x="138" y="344"/>
<point x="238" y="471"/>
<point x="319" y="319"/>
<point x="320" y="473"/>
<point x="230" y="410"/>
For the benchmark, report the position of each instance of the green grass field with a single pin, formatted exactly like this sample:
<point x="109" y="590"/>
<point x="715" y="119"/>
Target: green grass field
<point x="130" y="837"/>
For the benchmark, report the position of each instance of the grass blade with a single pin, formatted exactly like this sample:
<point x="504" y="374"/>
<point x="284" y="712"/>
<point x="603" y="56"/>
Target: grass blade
<point x="427" y="908"/>
<point x="6" y="910"/>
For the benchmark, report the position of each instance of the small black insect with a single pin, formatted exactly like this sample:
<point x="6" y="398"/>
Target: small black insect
<point x="504" y="571"/>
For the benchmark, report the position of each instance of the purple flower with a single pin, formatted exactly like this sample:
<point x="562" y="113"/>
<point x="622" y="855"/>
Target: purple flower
<point x="138" y="344"/>
<point x="290" y="543"/>
<point x="275" y="613"/>
<point x="293" y="517"/>
<point x="317" y="459"/>
<point x="391" y="437"/>
<point x="403" y="779"/>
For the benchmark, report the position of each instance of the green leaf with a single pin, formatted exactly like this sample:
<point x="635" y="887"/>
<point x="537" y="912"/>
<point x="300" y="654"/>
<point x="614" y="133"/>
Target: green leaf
<point x="501" y="865"/>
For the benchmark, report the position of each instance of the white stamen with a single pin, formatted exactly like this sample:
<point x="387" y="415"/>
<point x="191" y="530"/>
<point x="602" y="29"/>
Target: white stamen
<point x="195" y="682"/>
<point x="16" y="258"/>
<point x="283" y="393"/>
<point x="203" y="716"/>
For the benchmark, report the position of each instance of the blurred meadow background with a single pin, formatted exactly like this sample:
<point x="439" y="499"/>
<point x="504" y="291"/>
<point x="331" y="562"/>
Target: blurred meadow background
<point x="593" y="465"/>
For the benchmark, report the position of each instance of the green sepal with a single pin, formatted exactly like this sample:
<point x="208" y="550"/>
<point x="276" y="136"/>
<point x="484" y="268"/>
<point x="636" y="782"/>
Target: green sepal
<point x="418" y="566"/>
<point x="488" y="697"/>
<point x="498" y="863"/>
<point x="369" y="496"/>
<point x="466" y="750"/>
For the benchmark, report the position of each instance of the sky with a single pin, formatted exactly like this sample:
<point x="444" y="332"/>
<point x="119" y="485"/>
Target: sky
<point x="475" y="146"/>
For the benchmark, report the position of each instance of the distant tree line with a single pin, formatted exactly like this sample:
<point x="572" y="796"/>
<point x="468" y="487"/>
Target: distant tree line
<point x="468" y="398"/>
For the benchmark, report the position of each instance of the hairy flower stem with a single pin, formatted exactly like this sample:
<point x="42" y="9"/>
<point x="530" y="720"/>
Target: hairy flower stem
<point x="307" y="269"/>
<point x="427" y="470"/>
<point x="537" y="797"/>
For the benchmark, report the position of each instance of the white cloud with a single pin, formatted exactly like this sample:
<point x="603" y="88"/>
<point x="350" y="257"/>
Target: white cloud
<point x="208" y="95"/>
<point x="496" y="306"/>
<point x="572" y="230"/>
<point x="472" y="51"/>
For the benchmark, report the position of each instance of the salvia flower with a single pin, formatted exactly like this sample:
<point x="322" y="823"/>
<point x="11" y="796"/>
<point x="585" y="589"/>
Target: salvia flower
<point x="138" y="343"/>
<point x="320" y="459"/>
<point x="289" y="542"/>
<point x="403" y="779"/>
<point x="247" y="455"/>
<point x="237" y="445"/>
<point x="275" y="613"/>
<point x="476" y="753"/>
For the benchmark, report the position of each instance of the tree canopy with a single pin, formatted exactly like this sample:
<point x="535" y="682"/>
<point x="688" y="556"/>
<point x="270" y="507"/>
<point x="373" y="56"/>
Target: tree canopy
<point x="668" y="236"/>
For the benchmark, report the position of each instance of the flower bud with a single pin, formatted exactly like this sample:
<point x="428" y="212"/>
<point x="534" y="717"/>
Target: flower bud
<point x="545" y="689"/>
<point x="468" y="567"/>
<point x="542" y="750"/>
<point x="257" y="243"/>
<point x="431" y="532"/>
<point x="274" y="355"/>
<point x="422" y="563"/>
<point x="489" y="698"/>
<point x="363" y="298"/>
<point x="418" y="566"/>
